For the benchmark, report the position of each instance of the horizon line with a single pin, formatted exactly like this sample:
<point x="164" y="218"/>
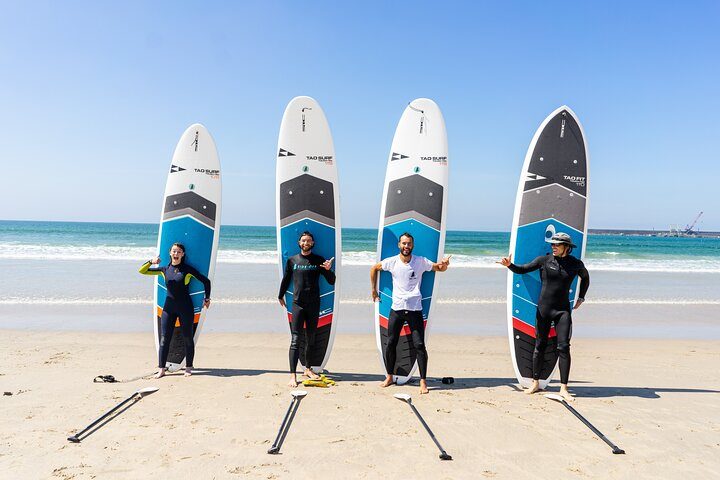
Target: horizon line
<point x="590" y="230"/>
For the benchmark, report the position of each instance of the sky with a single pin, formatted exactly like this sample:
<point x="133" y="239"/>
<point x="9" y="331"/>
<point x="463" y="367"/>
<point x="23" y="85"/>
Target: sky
<point x="95" y="95"/>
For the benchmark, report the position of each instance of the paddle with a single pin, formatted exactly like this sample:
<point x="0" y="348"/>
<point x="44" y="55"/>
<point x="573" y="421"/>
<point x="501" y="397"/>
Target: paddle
<point x="297" y="395"/>
<point x="407" y="399"/>
<point x="558" y="398"/>
<point x="135" y="396"/>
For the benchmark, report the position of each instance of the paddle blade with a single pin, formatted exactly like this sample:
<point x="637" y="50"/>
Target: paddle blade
<point x="554" y="396"/>
<point x="403" y="396"/>
<point x="298" y="393"/>
<point x="148" y="390"/>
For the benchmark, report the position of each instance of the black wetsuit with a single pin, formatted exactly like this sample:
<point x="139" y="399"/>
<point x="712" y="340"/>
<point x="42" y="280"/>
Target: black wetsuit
<point x="557" y="275"/>
<point x="416" y="324"/>
<point x="304" y="271"/>
<point x="178" y="304"/>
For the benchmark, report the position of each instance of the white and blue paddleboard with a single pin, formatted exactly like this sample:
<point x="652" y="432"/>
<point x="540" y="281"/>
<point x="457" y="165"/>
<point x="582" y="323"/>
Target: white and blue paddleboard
<point x="307" y="198"/>
<point x="414" y="201"/>
<point x="191" y="216"/>
<point x="552" y="197"/>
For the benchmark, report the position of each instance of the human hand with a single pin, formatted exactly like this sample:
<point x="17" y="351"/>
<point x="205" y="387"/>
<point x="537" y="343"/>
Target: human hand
<point x="445" y="263"/>
<point x="505" y="261"/>
<point x="578" y="302"/>
<point x="206" y="303"/>
<point x="327" y="263"/>
<point x="282" y="301"/>
<point x="375" y="295"/>
<point x="155" y="261"/>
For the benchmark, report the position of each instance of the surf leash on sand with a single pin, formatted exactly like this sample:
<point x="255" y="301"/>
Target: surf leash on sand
<point x="112" y="379"/>
<point x="297" y="396"/>
<point x="558" y="398"/>
<point x="408" y="399"/>
<point x="134" y="397"/>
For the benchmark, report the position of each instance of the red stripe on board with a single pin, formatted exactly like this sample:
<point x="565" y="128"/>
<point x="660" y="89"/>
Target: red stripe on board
<point x="523" y="327"/>
<point x="405" y="330"/>
<point x="322" y="321"/>
<point x="529" y="329"/>
<point x="325" y="320"/>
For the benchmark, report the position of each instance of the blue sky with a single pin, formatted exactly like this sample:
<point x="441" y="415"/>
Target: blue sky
<point x="94" y="96"/>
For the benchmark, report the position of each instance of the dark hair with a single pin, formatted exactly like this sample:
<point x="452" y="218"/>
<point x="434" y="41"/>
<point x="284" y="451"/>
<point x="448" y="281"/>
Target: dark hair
<point x="181" y="247"/>
<point x="406" y="234"/>
<point x="306" y="233"/>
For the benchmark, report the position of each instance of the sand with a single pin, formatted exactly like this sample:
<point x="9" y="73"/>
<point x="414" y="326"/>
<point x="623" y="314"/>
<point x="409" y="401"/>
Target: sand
<point x="657" y="399"/>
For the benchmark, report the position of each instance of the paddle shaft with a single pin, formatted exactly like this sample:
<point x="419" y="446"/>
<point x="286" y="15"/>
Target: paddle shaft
<point x="287" y="428"/>
<point x="282" y="425"/>
<point x="432" y="435"/>
<point x="615" y="448"/>
<point x="109" y="412"/>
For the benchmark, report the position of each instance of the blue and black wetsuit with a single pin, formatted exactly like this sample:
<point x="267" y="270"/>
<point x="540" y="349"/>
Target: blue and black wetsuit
<point x="304" y="271"/>
<point x="178" y="304"/>
<point x="557" y="275"/>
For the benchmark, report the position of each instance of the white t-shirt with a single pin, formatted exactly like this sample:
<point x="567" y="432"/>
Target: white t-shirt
<point x="407" y="278"/>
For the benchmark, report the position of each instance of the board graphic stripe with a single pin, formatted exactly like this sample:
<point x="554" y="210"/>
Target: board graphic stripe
<point x="192" y="201"/>
<point x="307" y="215"/>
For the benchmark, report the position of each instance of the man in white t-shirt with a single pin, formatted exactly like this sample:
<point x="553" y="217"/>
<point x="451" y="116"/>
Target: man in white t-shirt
<point x="407" y="271"/>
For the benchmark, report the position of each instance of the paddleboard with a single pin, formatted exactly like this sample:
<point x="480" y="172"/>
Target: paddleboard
<point x="415" y="201"/>
<point x="552" y="197"/>
<point x="191" y="216"/>
<point x="307" y="198"/>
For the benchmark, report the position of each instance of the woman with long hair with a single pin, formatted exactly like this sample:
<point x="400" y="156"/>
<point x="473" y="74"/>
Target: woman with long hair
<point x="178" y="304"/>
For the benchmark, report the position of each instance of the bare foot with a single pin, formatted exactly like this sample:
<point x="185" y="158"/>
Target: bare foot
<point x="188" y="371"/>
<point x="566" y="394"/>
<point x="311" y="375"/>
<point x="293" y="381"/>
<point x="387" y="382"/>
<point x="160" y="373"/>
<point x="535" y="387"/>
<point x="423" y="387"/>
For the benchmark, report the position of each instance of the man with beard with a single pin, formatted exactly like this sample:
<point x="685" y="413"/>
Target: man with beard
<point x="407" y="271"/>
<point x="304" y="270"/>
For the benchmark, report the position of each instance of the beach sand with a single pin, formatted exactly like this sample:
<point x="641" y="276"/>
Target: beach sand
<point x="655" y="398"/>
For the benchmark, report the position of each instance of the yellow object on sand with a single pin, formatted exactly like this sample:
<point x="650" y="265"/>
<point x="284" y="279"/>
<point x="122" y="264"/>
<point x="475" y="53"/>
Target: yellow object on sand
<point x="322" y="382"/>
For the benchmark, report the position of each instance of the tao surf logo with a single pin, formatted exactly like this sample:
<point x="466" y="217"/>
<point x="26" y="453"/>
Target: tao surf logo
<point x="579" y="181"/>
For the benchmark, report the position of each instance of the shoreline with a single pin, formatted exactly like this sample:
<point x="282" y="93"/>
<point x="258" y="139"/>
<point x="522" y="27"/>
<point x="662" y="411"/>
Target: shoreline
<point x="601" y="321"/>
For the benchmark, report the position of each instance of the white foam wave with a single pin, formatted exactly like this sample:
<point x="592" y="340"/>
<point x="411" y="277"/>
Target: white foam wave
<point x="85" y="301"/>
<point x="615" y="263"/>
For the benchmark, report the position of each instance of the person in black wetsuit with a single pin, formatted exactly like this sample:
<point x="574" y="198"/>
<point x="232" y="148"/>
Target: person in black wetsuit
<point x="304" y="270"/>
<point x="557" y="272"/>
<point x="178" y="304"/>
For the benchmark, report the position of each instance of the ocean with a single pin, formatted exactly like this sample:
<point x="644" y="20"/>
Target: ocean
<point x="66" y="275"/>
<point x="50" y="241"/>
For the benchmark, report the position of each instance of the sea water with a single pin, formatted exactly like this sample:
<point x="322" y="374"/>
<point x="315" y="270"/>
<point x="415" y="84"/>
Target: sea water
<point x="52" y="266"/>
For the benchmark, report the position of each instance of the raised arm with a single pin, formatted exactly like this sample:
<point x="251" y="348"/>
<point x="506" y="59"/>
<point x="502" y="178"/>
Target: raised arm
<point x="442" y="265"/>
<point x="146" y="269"/>
<point x="524" y="268"/>
<point x="326" y="272"/>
